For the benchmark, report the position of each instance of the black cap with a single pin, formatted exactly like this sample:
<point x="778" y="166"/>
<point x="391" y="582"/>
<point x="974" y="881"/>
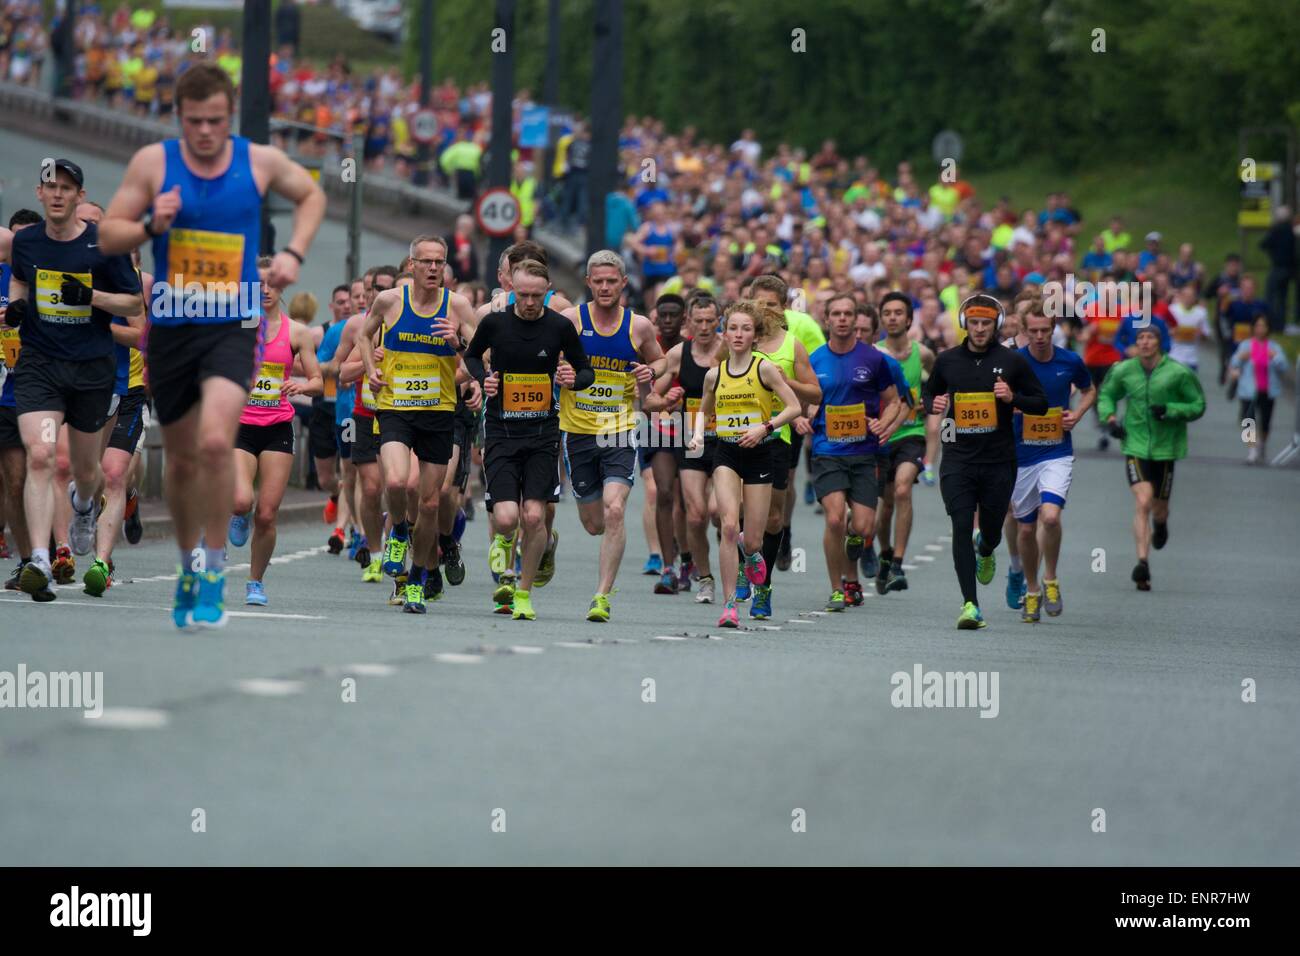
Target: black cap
<point x="72" y="169"/>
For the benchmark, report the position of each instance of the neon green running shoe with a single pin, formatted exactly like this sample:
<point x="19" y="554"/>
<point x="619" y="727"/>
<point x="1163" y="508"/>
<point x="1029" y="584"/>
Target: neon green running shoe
<point x="599" y="611"/>
<point x="500" y="552"/>
<point x="524" y="606"/>
<point x="985" y="567"/>
<point x="971" y="619"/>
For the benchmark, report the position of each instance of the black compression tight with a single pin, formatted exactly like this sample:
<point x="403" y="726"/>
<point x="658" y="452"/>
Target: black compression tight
<point x="963" y="550"/>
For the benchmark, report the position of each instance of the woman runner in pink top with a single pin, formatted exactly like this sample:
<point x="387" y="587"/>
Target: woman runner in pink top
<point x="265" y="444"/>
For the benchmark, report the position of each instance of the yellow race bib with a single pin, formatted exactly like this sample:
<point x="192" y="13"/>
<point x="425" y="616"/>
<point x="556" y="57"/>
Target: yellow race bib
<point x="525" y="395"/>
<point x="604" y="396"/>
<point x="49" y="298"/>
<point x="733" y="427"/>
<point x="693" y="409"/>
<point x="975" y="412"/>
<point x="196" y="255"/>
<point x="267" y="387"/>
<point x="1241" y="331"/>
<point x="1186" y="333"/>
<point x="11" y="342"/>
<point x="1043" y="429"/>
<point x="415" y="381"/>
<point x="846" y="424"/>
<point x="331" y="388"/>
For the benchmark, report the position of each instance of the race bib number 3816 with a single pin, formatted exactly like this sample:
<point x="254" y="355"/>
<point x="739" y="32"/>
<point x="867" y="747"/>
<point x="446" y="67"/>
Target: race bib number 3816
<point x="975" y="412"/>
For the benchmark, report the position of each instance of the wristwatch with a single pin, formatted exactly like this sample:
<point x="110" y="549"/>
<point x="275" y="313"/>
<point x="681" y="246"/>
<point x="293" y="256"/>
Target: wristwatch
<point x="768" y="426"/>
<point x="147" y="222"/>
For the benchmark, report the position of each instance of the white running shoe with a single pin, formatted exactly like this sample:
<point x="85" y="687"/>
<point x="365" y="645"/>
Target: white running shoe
<point x="81" y="530"/>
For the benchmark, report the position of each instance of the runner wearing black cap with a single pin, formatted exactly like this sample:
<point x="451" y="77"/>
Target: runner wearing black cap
<point x="982" y="382"/>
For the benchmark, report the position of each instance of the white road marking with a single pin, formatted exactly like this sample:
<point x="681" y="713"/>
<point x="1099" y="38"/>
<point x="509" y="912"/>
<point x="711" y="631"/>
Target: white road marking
<point x="927" y="558"/>
<point x="814" y="613"/>
<point x="370" y="670"/>
<point x="100" y="604"/>
<point x="576" y="644"/>
<point x="269" y="687"/>
<point x="799" y="620"/>
<point x="934" y="547"/>
<point x="280" y="559"/>
<point x="767" y="627"/>
<point x="909" y="567"/>
<point x="667" y="637"/>
<point x="449" y="658"/>
<point x="130" y="718"/>
<point x="285" y="617"/>
<point x="525" y="649"/>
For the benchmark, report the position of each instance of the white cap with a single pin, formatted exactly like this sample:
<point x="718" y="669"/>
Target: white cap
<point x="1154" y="237"/>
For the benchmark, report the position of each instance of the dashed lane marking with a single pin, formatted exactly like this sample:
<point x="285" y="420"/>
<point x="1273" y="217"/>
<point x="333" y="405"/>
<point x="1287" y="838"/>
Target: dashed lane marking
<point x="130" y="718"/>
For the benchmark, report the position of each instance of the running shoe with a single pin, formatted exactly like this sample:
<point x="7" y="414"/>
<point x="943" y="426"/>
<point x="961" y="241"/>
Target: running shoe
<point x="883" y="566"/>
<point x="187" y="589"/>
<point x="1052" y="603"/>
<point x="853" y="596"/>
<point x="238" y="532"/>
<point x="897" y="578"/>
<point x="507" y="608"/>
<point x="331" y="514"/>
<point x="210" y="609"/>
<point x="97" y="578"/>
<point x="1103" y="443"/>
<point x="986" y="566"/>
<point x="761" y="606"/>
<point x="1031" y="613"/>
<point x="927" y="475"/>
<point x="132" y="526"/>
<point x="11" y="584"/>
<point x="453" y="564"/>
<point x="255" y="594"/>
<point x="81" y="530"/>
<point x="1142" y="576"/>
<point x="971" y="619"/>
<point x="599" y="610"/>
<point x="809" y="495"/>
<point x="35" y="580"/>
<point x="499" y="553"/>
<point x="653" y="565"/>
<point x="432" y="585"/>
<point x="705" y="593"/>
<point x="1015" y="588"/>
<point x="523" y="607"/>
<point x="355" y="543"/>
<point x="546" y="569"/>
<point x="685" y="574"/>
<point x="505" y="590"/>
<point x="4" y="547"/>
<point x="742" y="591"/>
<point x="414" y="598"/>
<point x="853" y="546"/>
<point x="755" y="568"/>
<point x="363" y="556"/>
<point x="335" y="542"/>
<point x="395" y="556"/>
<point x="836" y="601"/>
<point x="373" y="572"/>
<point x="784" y="554"/>
<point x="1159" y="534"/>
<point x="667" y="583"/>
<point x="398" y="597"/>
<point x="64" y="567"/>
<point x="730" y="616"/>
<point x="869" y="561"/>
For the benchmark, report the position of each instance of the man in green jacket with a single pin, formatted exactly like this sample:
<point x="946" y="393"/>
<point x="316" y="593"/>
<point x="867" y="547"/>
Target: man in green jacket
<point x="1163" y="396"/>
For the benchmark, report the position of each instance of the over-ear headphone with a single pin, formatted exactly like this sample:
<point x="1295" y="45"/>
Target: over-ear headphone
<point x="982" y="305"/>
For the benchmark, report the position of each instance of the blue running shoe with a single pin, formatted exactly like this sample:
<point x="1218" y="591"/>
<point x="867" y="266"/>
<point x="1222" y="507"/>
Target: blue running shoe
<point x="742" y="589"/>
<point x="255" y="594"/>
<point x="354" y="544"/>
<point x="761" y="606"/>
<point x="1015" y="589"/>
<point x="187" y="586"/>
<point x="869" y="562"/>
<point x="238" y="533"/>
<point x="809" y="496"/>
<point x="654" y="565"/>
<point x="210" y="610"/>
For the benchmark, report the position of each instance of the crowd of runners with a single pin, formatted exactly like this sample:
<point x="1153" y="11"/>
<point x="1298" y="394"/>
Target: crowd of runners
<point x="712" y="384"/>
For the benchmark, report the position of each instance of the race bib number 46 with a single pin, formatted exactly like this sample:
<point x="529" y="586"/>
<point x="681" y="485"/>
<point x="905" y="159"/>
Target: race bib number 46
<point x="525" y="395"/>
<point x="846" y="423"/>
<point x="196" y="255"/>
<point x="49" y="298"/>
<point x="975" y="412"/>
<point x="1044" y="429"/>
<point x="267" y="387"/>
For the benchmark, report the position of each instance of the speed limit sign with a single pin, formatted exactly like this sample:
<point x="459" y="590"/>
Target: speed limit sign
<point x="424" y="126"/>
<point x="497" y="212"/>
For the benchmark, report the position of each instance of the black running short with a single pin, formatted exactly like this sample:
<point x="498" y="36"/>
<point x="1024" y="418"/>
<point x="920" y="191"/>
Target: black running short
<point x="782" y="460"/>
<point x="966" y="487"/>
<point x="521" y="469"/>
<point x="81" y="390"/>
<point x="179" y="357"/>
<point x="130" y="422"/>
<point x="428" y="434"/>
<point x="756" y="466"/>
<point x="9" y="434"/>
<point x="909" y="450"/>
<point x="701" y="462"/>
<point x="321" y="437"/>
<point x="256" y="439"/>
<point x="856" y="475"/>
<point x="462" y="437"/>
<point x="1159" y="473"/>
<point x="365" y="443"/>
<point x="594" y="461"/>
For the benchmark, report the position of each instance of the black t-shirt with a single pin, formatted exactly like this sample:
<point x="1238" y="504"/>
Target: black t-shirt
<point x="981" y="421"/>
<point x="54" y="328"/>
<point x="525" y="354"/>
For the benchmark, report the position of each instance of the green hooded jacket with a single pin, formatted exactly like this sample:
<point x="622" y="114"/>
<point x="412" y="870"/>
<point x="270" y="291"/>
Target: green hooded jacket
<point x="1170" y="384"/>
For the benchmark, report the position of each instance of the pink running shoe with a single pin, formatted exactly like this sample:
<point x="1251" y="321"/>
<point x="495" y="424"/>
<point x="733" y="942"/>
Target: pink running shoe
<point x="729" y="616"/>
<point x="755" y="568"/>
